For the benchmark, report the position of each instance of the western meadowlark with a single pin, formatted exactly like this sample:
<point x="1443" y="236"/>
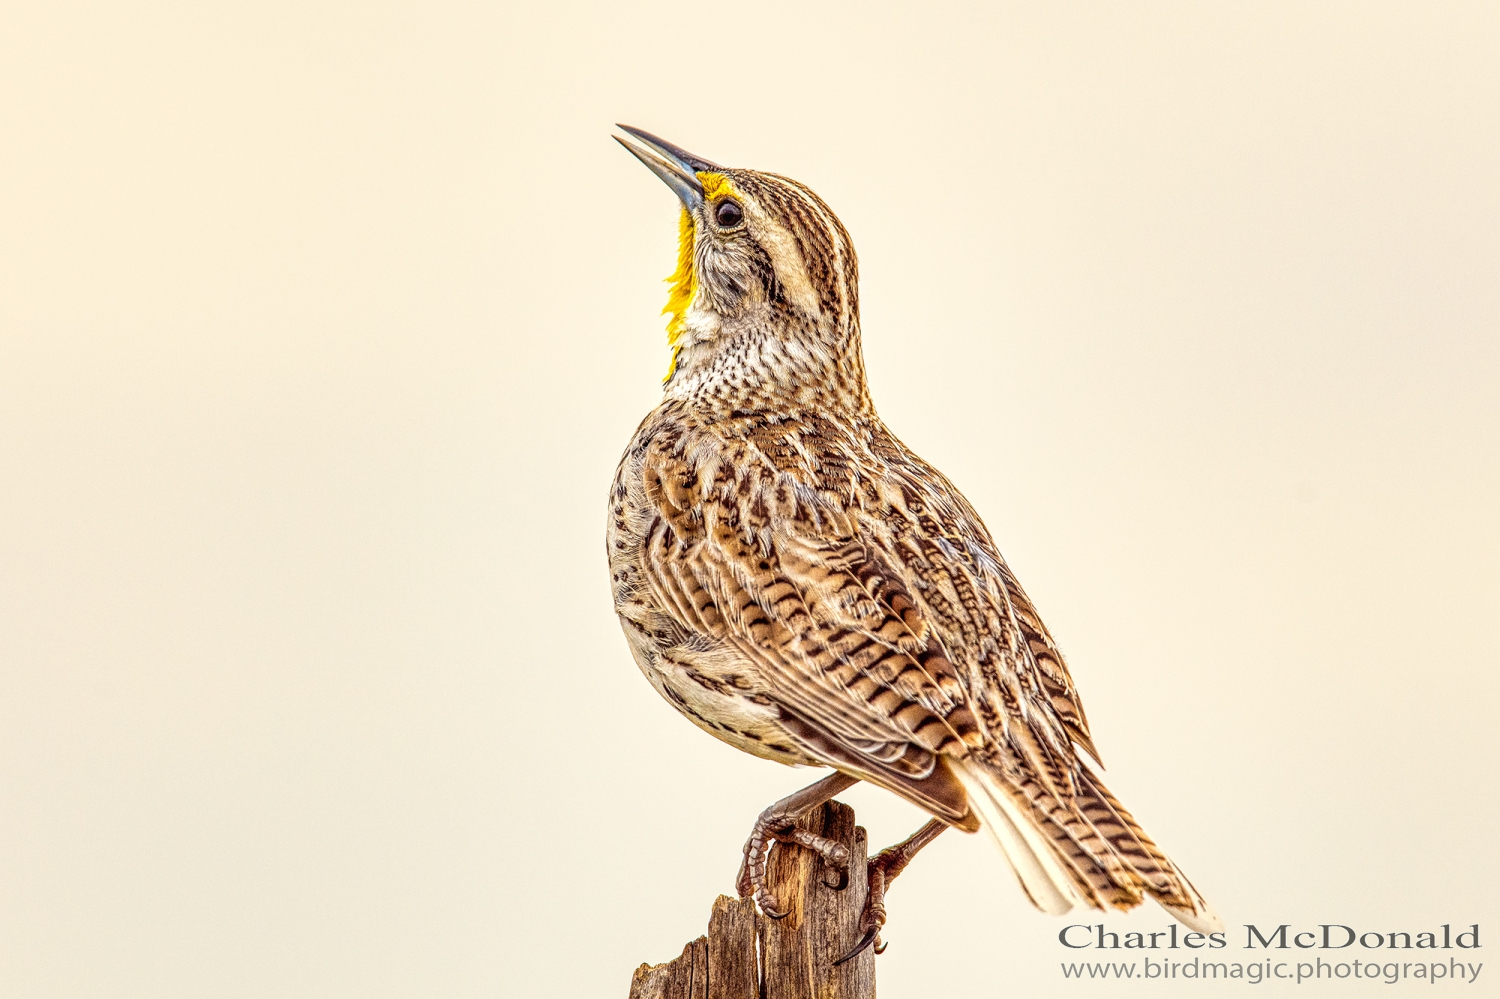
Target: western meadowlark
<point x="799" y="584"/>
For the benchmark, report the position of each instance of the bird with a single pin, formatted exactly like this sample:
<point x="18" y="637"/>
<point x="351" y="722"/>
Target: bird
<point x="798" y="583"/>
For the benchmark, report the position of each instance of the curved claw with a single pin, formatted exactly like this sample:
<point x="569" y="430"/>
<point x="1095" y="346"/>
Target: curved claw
<point x="768" y="904"/>
<point x="840" y="884"/>
<point x="871" y="935"/>
<point x="880" y="947"/>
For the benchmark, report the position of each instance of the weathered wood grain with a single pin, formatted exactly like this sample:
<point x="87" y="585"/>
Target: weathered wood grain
<point x="747" y="956"/>
<point x="684" y="978"/>
<point x="822" y="924"/>
<point x="733" y="951"/>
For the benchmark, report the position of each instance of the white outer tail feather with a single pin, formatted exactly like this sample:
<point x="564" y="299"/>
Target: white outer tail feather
<point x="1035" y="861"/>
<point x="1035" y="865"/>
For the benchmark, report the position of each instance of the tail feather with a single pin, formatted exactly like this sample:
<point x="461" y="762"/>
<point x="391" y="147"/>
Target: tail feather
<point x="1084" y="849"/>
<point x="1036" y="867"/>
<point x="1171" y="888"/>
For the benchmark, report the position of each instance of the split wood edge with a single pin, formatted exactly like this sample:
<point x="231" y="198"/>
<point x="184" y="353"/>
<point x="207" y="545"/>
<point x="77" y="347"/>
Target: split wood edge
<point x="748" y="956"/>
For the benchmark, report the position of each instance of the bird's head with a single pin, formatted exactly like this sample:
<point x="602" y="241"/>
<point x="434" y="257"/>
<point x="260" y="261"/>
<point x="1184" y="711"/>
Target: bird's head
<point x="766" y="291"/>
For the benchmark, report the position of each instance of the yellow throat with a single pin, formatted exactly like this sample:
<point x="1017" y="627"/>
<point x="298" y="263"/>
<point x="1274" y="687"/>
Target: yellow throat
<point x="683" y="281"/>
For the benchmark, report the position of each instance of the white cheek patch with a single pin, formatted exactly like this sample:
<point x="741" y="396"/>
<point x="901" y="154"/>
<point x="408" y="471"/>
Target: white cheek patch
<point x="786" y="258"/>
<point x="701" y="324"/>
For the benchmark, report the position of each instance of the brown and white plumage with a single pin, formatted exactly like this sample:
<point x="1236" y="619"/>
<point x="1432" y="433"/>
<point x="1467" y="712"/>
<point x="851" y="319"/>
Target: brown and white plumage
<point x="801" y="585"/>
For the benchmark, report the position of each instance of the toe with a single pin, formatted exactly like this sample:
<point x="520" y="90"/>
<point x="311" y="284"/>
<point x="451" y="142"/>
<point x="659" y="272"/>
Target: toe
<point x="871" y="935"/>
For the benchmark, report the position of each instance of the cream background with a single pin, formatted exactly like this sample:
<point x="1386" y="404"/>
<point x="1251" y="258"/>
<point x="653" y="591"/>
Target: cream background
<point x="322" y="327"/>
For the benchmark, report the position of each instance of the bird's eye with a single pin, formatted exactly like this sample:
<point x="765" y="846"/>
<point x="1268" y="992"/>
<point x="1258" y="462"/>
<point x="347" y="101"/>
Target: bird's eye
<point x="728" y="214"/>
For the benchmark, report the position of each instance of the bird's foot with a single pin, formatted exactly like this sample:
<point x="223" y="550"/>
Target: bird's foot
<point x="883" y="869"/>
<point x="777" y="824"/>
<point x="752" y="879"/>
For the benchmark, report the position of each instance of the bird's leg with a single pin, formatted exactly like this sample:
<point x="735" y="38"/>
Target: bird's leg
<point x="776" y="824"/>
<point x="884" y="867"/>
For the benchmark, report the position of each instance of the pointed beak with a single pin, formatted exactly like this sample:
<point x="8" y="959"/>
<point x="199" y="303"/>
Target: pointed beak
<point x="677" y="167"/>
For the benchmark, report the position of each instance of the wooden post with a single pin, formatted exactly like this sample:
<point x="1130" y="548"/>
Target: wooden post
<point x="747" y="956"/>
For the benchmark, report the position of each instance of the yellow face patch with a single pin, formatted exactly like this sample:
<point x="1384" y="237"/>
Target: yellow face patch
<point x="715" y="185"/>
<point x="683" y="283"/>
